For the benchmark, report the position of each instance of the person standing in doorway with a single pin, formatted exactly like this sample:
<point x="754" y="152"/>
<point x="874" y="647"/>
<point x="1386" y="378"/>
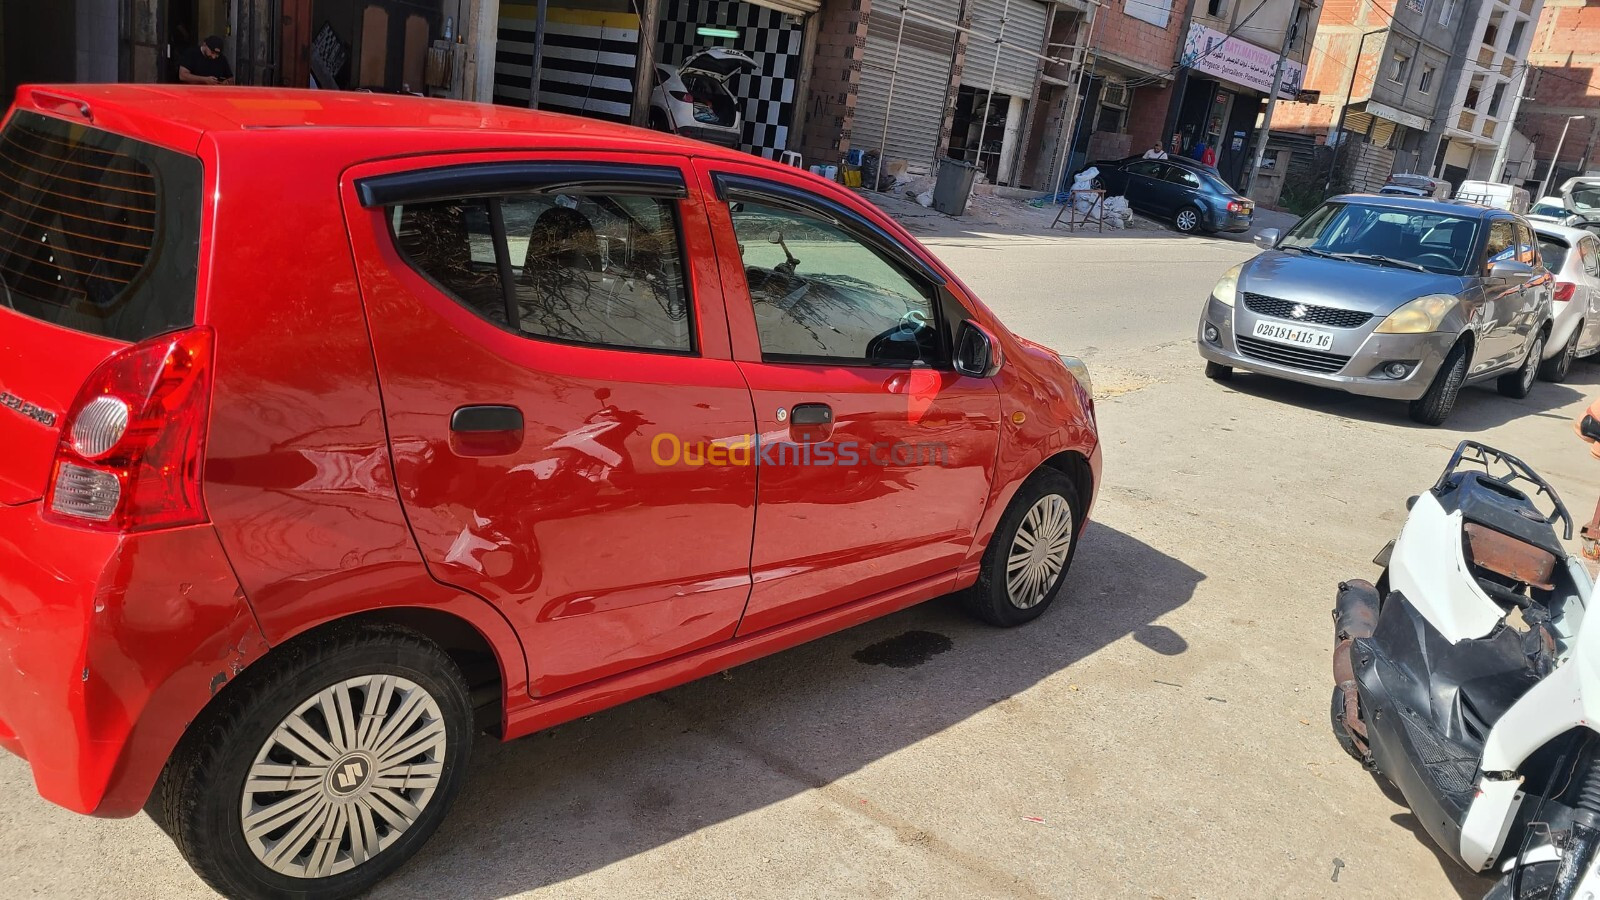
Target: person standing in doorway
<point x="205" y="64"/>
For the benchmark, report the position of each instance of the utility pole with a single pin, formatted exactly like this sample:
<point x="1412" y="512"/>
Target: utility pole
<point x="1068" y="133"/>
<point x="1556" y="157"/>
<point x="1272" y="103"/>
<point x="988" y="100"/>
<point x="1349" y="91"/>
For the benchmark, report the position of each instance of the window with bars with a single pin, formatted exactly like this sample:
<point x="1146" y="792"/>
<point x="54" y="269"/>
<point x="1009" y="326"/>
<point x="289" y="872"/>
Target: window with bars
<point x="98" y="232"/>
<point x="1397" y="67"/>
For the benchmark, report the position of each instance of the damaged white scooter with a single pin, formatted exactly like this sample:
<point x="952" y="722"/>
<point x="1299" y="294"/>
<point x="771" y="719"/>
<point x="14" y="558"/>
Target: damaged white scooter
<point x="1469" y="677"/>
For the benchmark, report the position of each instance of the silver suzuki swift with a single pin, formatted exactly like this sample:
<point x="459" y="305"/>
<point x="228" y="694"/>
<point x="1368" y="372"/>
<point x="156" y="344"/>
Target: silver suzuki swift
<point x="1396" y="297"/>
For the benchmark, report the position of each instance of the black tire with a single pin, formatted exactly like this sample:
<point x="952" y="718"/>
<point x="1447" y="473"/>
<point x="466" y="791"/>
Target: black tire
<point x="1218" y="371"/>
<point x="990" y="599"/>
<point x="1556" y="368"/>
<point x="658" y="121"/>
<point x="205" y="782"/>
<point x="1187" y="220"/>
<point x="1518" y="384"/>
<point x="1434" y="407"/>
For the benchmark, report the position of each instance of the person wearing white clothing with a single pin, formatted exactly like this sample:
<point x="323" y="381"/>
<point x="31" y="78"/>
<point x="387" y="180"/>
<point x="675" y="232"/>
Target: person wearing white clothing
<point x="1155" y="152"/>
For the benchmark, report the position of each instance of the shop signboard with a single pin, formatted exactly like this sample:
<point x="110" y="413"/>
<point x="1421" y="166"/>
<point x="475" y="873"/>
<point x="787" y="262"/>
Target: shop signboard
<point x="1211" y="52"/>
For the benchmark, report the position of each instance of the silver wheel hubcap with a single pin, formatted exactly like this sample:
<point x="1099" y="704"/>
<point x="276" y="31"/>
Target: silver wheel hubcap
<point x="343" y="776"/>
<point x="1533" y="364"/>
<point x="1186" y="220"/>
<point x="1039" y="551"/>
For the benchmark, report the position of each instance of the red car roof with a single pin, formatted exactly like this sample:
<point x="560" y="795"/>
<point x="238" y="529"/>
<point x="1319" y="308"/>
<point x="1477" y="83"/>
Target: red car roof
<point x="178" y="114"/>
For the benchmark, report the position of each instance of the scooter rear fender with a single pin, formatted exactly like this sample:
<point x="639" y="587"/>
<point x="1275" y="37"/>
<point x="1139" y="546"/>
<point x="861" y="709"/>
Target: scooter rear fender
<point x="1429" y="567"/>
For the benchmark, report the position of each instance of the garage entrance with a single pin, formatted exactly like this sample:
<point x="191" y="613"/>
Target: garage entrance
<point x="765" y="97"/>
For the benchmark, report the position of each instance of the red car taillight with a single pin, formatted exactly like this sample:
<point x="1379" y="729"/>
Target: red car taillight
<point x="682" y="96"/>
<point x="1565" y="290"/>
<point x="131" y="447"/>
<point x="1235" y="206"/>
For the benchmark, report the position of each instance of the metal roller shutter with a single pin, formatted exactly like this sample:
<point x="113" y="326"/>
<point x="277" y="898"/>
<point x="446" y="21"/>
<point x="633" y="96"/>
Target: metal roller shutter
<point x="1024" y="27"/>
<point x="915" y="112"/>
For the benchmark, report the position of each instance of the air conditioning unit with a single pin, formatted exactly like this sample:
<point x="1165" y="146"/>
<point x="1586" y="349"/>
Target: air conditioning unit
<point x="1115" y="93"/>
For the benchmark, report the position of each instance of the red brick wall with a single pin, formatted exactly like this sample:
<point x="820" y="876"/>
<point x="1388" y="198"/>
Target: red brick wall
<point x="1328" y="71"/>
<point x="1147" y="116"/>
<point x="835" y="73"/>
<point x="1565" y="81"/>
<point x="1122" y="34"/>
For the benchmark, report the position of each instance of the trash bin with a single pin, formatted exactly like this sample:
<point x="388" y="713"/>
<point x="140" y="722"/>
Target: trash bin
<point x="954" y="186"/>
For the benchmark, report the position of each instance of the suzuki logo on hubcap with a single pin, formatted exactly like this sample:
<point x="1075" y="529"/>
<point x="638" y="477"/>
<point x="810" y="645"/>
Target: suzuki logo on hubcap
<point x="349" y="775"/>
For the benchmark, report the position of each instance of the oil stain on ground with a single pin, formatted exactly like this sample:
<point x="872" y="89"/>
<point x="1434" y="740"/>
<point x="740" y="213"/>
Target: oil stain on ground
<point x="904" y="651"/>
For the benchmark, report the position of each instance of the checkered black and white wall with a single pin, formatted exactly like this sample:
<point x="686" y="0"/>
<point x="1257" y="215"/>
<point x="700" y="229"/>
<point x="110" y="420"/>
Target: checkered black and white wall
<point x="769" y="37"/>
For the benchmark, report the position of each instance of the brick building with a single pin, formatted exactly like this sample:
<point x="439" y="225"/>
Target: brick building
<point x="1380" y="68"/>
<point x="1135" y="49"/>
<point x="1563" y="81"/>
<point x="1425" y="86"/>
<point x="1229" y="58"/>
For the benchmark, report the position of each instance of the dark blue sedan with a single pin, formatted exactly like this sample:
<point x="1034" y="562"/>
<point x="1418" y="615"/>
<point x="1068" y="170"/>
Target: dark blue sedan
<point x="1190" y="195"/>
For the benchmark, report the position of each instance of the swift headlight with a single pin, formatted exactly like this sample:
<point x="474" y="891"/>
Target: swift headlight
<point x="1420" y="316"/>
<point x="1228" y="286"/>
<point x="1080" y="371"/>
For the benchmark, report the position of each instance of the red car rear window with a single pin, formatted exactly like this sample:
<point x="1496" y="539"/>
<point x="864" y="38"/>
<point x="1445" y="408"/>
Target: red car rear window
<point x="98" y="232"/>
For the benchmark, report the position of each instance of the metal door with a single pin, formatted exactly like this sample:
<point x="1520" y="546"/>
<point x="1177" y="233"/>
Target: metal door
<point x="143" y="53"/>
<point x="905" y="82"/>
<point x="258" y="36"/>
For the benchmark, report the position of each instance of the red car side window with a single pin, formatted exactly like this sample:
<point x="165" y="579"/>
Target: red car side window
<point x="591" y="269"/>
<point x="821" y="294"/>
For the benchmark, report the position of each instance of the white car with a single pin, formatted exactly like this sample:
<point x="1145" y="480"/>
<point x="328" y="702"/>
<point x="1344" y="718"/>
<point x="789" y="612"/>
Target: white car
<point x="693" y="99"/>
<point x="1550" y="209"/>
<point x="1581" y="197"/>
<point x="1573" y="256"/>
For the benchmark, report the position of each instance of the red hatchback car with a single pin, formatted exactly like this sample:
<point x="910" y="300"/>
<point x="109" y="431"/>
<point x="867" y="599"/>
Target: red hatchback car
<point x="338" y="426"/>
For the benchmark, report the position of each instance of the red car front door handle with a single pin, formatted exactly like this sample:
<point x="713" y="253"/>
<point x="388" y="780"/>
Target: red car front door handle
<point x="810" y="422"/>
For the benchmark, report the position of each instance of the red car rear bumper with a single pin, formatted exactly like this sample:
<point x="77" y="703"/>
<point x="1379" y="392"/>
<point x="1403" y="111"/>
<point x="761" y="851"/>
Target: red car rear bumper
<point x="109" y="646"/>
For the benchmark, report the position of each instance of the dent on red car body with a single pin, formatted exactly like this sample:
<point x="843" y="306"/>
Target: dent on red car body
<point x="339" y="483"/>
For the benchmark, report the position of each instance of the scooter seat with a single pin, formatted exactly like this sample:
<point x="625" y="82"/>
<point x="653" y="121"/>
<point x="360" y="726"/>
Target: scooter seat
<point x="1493" y="504"/>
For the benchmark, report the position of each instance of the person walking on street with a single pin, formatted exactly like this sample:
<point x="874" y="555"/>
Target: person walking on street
<point x="205" y="64"/>
<point x="1155" y="152"/>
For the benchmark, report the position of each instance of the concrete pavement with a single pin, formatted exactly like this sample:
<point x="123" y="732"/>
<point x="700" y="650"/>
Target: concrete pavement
<point x="1162" y="732"/>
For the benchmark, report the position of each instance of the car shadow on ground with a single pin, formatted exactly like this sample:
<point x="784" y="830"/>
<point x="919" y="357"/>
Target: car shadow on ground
<point x="1479" y="407"/>
<point x="568" y="801"/>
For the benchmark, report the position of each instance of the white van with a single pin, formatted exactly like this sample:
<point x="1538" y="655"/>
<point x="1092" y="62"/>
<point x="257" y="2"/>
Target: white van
<point x="1500" y="196"/>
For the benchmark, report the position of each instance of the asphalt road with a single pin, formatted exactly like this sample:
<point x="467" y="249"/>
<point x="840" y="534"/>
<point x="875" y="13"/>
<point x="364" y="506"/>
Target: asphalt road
<point x="1161" y="733"/>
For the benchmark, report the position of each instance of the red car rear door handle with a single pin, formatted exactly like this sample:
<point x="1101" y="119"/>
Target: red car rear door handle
<point x="486" y="430"/>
